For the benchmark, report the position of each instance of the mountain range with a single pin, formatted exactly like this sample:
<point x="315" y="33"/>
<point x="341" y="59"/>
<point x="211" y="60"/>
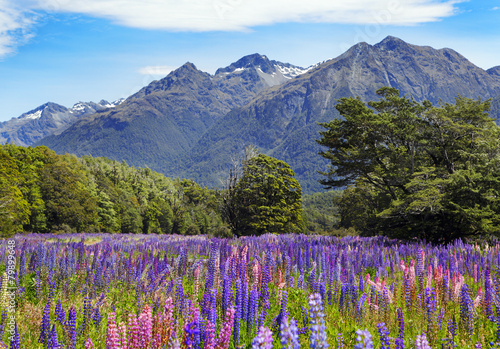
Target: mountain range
<point x="48" y="119"/>
<point x="194" y="124"/>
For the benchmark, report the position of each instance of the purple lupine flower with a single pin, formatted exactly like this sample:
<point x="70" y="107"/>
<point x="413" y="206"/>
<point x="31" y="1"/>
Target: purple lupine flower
<point x="488" y="293"/>
<point x="385" y="340"/>
<point x="252" y="305"/>
<point x="53" y="343"/>
<point x="191" y="330"/>
<point x="363" y="340"/>
<point x="400" y="343"/>
<point x="466" y="310"/>
<point x="289" y="334"/>
<point x="3" y="321"/>
<point x="15" y="341"/>
<point x="263" y="340"/>
<point x="430" y="303"/>
<point x="45" y="326"/>
<point x="318" y="328"/>
<point x="340" y="341"/>
<point x="238" y="313"/>
<point x="71" y="327"/>
<point x="421" y="342"/>
<point x="420" y="268"/>
<point x="360" y="307"/>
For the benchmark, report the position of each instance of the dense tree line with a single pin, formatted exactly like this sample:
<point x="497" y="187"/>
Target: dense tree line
<point x="413" y="169"/>
<point x="41" y="192"/>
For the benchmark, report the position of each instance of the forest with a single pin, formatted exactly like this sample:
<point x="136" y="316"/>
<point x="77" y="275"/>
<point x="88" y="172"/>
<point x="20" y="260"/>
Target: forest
<point x="43" y="192"/>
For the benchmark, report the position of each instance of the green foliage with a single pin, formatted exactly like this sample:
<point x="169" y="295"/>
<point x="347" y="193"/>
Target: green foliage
<point x="415" y="170"/>
<point x="268" y="198"/>
<point x="41" y="192"/>
<point x="320" y="211"/>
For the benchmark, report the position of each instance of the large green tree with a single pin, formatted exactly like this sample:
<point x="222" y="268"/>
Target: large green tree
<point x="413" y="169"/>
<point x="266" y="198"/>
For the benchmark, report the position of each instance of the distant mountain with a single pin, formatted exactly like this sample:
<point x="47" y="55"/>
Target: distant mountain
<point x="283" y="121"/>
<point x="192" y="124"/>
<point x="45" y="120"/>
<point x="159" y="124"/>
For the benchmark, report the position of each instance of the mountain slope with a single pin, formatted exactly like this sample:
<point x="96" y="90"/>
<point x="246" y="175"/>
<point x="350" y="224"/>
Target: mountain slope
<point x="45" y="120"/>
<point x="162" y="121"/>
<point x="283" y="120"/>
<point x="192" y="124"/>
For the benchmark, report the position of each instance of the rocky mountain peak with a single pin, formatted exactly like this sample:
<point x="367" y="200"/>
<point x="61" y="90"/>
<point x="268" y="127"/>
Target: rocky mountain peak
<point x="251" y="61"/>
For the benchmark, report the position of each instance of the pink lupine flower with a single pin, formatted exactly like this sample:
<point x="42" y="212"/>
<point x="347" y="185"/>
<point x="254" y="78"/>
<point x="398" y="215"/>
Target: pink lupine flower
<point x="122" y="329"/>
<point x="210" y="335"/>
<point x="112" y="339"/>
<point x="225" y="334"/>
<point x="89" y="344"/>
<point x="380" y="286"/>
<point x="146" y="326"/>
<point x="479" y="297"/>
<point x="133" y="332"/>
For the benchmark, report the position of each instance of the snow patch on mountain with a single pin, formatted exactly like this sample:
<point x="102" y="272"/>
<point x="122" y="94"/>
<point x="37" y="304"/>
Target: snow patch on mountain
<point x="33" y="116"/>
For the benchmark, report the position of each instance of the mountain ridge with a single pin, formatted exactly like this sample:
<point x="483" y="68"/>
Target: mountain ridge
<point x="192" y="124"/>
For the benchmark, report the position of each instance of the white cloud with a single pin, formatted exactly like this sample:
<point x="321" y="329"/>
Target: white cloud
<point x="496" y="8"/>
<point x="15" y="25"/>
<point x="206" y="15"/>
<point x="16" y="16"/>
<point x="160" y="70"/>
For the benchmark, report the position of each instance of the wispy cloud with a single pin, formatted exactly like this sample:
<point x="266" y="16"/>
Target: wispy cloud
<point x="496" y="8"/>
<point x="220" y="15"/>
<point x="157" y="70"/>
<point x="15" y="26"/>
<point x="206" y="15"/>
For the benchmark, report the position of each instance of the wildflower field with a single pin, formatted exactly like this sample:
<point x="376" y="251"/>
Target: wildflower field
<point x="289" y="291"/>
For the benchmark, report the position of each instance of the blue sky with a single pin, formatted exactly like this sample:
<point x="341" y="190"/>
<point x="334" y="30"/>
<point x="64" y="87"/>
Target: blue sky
<point x="66" y="51"/>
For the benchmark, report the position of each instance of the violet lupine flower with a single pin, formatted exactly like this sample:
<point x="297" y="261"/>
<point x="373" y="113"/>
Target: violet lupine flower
<point x="488" y="296"/>
<point x="252" y="305"/>
<point x="238" y="313"/>
<point x="112" y="338"/>
<point x="400" y="343"/>
<point x="45" y="326"/>
<point x="53" y="343"/>
<point x="422" y="343"/>
<point x="264" y="339"/>
<point x="363" y="340"/>
<point x="71" y="327"/>
<point x="191" y="330"/>
<point x="340" y="341"/>
<point x="430" y="302"/>
<point x="360" y="307"/>
<point x="318" y="328"/>
<point x="225" y="334"/>
<point x="466" y="310"/>
<point x="289" y="334"/>
<point x="15" y="339"/>
<point x="385" y="340"/>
